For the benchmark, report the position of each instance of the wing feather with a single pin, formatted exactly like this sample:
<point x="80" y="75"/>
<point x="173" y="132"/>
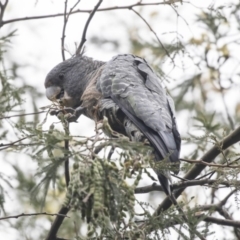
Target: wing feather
<point x="137" y="90"/>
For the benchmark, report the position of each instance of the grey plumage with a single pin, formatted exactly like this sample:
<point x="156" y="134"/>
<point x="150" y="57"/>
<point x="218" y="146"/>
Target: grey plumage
<point x="128" y="92"/>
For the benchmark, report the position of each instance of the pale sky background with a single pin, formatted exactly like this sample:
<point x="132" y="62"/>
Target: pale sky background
<point x="37" y="48"/>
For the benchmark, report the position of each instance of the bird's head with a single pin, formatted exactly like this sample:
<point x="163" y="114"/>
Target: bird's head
<point x="68" y="80"/>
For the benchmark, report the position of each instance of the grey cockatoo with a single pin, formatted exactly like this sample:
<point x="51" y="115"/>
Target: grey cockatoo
<point x="126" y="91"/>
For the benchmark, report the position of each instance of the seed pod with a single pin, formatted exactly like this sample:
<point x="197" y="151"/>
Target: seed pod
<point x="91" y="230"/>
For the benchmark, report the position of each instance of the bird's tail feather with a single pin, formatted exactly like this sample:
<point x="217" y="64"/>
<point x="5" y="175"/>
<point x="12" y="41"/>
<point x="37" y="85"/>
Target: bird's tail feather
<point x="165" y="184"/>
<point x="192" y="228"/>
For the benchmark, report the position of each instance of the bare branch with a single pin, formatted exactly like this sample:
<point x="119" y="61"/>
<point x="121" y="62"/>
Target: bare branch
<point x="151" y="29"/>
<point x="64" y="29"/>
<point x="66" y="125"/>
<point x="7" y="145"/>
<point x="139" y="3"/>
<point x="221" y="88"/>
<point x="230" y="120"/>
<point x="208" y="157"/>
<point x="219" y="206"/>
<point x="185" y="184"/>
<point x="201" y="216"/>
<point x="111" y="152"/>
<point x="2" y="8"/>
<point x="66" y="155"/>
<point x="209" y="164"/>
<point x="83" y="40"/>
<point x="57" y="223"/>
<point x="20" y="115"/>
<point x="12" y="143"/>
<point x="66" y="17"/>
<point x="34" y="214"/>
<point x="223" y="222"/>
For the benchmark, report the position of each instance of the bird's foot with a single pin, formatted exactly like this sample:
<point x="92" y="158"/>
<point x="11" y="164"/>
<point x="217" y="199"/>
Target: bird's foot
<point x="70" y="114"/>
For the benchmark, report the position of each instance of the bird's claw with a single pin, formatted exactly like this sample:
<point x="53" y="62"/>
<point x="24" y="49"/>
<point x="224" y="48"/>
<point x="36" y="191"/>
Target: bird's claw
<point x="70" y="114"/>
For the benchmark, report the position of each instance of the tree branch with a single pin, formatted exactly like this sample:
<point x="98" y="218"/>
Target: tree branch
<point x="34" y="214"/>
<point x="219" y="206"/>
<point x="66" y="125"/>
<point x="185" y="184"/>
<point x="7" y="145"/>
<point x="20" y="115"/>
<point x="208" y="157"/>
<point x="2" y="8"/>
<point x="209" y="164"/>
<point x="57" y="223"/>
<point x="66" y="154"/>
<point x="151" y="29"/>
<point x="223" y="222"/>
<point x="66" y="17"/>
<point x="202" y="217"/>
<point x="83" y="40"/>
<point x="139" y="3"/>
<point x="111" y="152"/>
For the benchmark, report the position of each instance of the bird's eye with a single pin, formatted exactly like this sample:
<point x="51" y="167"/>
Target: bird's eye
<point x="61" y="75"/>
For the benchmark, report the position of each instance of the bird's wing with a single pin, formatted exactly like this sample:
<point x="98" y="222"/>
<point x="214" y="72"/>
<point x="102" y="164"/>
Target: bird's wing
<point x="135" y="88"/>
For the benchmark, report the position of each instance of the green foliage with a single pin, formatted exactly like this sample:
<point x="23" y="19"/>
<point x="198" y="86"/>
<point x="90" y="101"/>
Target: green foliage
<point x="99" y="191"/>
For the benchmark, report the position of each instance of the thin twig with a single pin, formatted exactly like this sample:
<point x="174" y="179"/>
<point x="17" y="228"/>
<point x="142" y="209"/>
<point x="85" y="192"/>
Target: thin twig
<point x="230" y="120"/>
<point x="12" y="143"/>
<point x="219" y="206"/>
<point x="139" y="3"/>
<point x="33" y="214"/>
<point x="20" y="115"/>
<point x="209" y="156"/>
<point x="185" y="184"/>
<point x="151" y="29"/>
<point x="223" y="202"/>
<point x="210" y="174"/>
<point x="65" y="20"/>
<point x="7" y="145"/>
<point x="202" y="217"/>
<point x="2" y="8"/>
<point x="209" y="164"/>
<point x="20" y="145"/>
<point x="83" y="40"/>
<point x="66" y="155"/>
<point x="222" y="222"/>
<point x="221" y="89"/>
<point x="57" y="223"/>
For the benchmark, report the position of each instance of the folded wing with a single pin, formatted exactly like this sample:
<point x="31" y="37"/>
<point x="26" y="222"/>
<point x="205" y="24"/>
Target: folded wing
<point x="136" y="89"/>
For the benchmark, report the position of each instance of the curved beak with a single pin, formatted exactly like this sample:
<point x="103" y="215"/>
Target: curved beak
<point x="52" y="92"/>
